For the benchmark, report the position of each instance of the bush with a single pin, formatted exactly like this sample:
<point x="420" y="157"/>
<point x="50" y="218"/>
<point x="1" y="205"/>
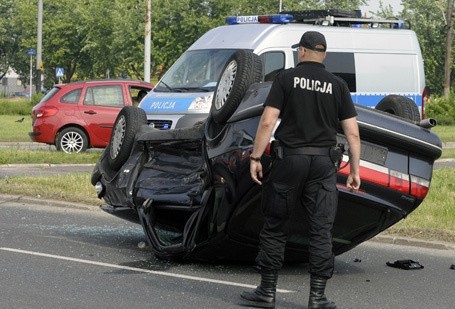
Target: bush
<point x="18" y="106"/>
<point x="441" y="109"/>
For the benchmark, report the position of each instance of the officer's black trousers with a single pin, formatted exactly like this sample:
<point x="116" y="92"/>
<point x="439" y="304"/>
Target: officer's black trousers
<point x="309" y="181"/>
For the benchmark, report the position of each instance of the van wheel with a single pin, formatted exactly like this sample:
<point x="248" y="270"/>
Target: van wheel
<point x="71" y="140"/>
<point x="399" y="106"/>
<point x="243" y="69"/>
<point x="128" y="122"/>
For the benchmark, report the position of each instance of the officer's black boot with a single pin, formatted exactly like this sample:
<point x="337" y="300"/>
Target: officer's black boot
<point x="264" y="295"/>
<point x="317" y="296"/>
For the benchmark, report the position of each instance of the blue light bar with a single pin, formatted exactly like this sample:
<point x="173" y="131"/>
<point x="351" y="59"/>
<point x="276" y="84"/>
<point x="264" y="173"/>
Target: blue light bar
<point x="262" y="19"/>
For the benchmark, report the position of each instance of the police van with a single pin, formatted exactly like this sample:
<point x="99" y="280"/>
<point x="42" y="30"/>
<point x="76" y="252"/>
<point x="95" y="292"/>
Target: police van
<point x="379" y="59"/>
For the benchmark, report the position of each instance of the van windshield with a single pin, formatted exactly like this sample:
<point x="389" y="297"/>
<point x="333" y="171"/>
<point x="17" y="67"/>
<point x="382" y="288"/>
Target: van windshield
<point x="195" y="71"/>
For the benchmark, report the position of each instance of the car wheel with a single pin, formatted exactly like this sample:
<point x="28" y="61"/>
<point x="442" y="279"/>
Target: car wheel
<point x="127" y="123"/>
<point x="72" y="140"/>
<point x="243" y="69"/>
<point x="399" y="106"/>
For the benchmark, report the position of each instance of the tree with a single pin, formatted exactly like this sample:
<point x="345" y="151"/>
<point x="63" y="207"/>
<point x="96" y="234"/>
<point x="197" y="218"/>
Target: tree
<point x="9" y="35"/>
<point x="105" y="38"/>
<point x="448" y="52"/>
<point x="427" y="17"/>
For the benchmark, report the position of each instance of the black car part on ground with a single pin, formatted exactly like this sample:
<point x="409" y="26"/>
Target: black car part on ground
<point x="191" y="190"/>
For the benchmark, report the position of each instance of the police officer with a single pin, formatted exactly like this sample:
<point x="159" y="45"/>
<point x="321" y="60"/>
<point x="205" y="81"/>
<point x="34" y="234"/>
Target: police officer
<point x="311" y="102"/>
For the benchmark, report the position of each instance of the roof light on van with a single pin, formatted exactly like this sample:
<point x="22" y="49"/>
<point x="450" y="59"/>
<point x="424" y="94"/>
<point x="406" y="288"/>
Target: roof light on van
<point x="260" y="19"/>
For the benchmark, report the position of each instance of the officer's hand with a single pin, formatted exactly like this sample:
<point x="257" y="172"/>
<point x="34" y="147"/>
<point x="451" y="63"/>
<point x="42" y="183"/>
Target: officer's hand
<point x="353" y="182"/>
<point x="256" y="171"/>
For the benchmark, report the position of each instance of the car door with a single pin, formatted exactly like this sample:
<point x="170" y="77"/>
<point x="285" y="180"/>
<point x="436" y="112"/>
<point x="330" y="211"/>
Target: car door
<point x="99" y="109"/>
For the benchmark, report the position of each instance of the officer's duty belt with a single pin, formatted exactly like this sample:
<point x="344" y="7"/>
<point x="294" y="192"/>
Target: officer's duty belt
<point x="311" y="151"/>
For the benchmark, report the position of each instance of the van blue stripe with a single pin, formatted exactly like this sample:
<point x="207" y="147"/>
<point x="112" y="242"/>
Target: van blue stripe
<point x="371" y="100"/>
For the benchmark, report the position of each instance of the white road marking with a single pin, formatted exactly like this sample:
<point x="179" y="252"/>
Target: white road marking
<point x="153" y="272"/>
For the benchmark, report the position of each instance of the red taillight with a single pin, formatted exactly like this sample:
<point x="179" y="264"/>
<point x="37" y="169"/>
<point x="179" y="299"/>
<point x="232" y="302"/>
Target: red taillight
<point x="424" y="98"/>
<point x="399" y="181"/>
<point x="419" y="187"/>
<point x="45" y="111"/>
<point x="392" y="179"/>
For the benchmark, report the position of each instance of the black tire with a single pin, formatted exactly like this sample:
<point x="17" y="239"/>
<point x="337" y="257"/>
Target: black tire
<point x="243" y="69"/>
<point x="72" y="140"/>
<point x="400" y="106"/>
<point x="128" y="122"/>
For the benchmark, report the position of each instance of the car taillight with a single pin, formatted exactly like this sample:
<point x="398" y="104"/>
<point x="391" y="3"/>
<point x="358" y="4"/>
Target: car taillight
<point x="399" y="181"/>
<point x="45" y="111"/>
<point x="424" y="98"/>
<point x="419" y="187"/>
<point x="382" y="176"/>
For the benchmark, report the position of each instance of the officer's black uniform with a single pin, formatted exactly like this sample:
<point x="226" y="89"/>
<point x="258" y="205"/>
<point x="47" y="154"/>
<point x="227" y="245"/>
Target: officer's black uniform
<point x="312" y="102"/>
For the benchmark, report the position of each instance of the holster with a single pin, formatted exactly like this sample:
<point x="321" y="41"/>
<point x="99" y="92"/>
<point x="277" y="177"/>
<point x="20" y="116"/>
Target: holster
<point x="276" y="150"/>
<point x="336" y="154"/>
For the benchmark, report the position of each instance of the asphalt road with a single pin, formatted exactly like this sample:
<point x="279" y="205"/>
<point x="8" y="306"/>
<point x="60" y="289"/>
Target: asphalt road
<point x="67" y="257"/>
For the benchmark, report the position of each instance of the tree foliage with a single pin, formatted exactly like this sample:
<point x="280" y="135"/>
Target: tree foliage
<point x="428" y="20"/>
<point x="105" y="38"/>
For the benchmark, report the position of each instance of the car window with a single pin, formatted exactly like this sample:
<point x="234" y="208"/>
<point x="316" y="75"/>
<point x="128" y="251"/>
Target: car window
<point x="50" y="94"/>
<point x="273" y="63"/>
<point x="137" y="94"/>
<point x="72" y="97"/>
<point x="104" y="96"/>
<point x="199" y="69"/>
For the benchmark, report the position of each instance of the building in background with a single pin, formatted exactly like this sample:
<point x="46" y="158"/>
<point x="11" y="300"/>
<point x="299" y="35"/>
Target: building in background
<point x="11" y="85"/>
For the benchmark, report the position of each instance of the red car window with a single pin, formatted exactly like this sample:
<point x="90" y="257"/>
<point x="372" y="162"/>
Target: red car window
<point x="111" y="95"/>
<point x="72" y="97"/>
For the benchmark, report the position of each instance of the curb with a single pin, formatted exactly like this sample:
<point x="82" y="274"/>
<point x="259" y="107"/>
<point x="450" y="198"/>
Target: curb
<point x="405" y="241"/>
<point x="47" y="165"/>
<point x="44" y="202"/>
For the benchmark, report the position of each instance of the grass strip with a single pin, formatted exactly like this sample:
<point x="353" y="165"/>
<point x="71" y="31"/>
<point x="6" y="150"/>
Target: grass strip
<point x="75" y="187"/>
<point x="16" y="155"/>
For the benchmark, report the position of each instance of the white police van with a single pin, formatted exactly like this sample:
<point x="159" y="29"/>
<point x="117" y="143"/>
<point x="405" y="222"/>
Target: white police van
<point x="380" y="60"/>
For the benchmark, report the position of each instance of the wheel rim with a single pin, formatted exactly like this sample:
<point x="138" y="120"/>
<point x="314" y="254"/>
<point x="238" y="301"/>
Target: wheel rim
<point x="118" y="135"/>
<point x="72" y="142"/>
<point x="225" y="84"/>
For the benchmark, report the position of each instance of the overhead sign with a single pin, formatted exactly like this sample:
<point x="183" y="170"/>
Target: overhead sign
<point x="59" y="72"/>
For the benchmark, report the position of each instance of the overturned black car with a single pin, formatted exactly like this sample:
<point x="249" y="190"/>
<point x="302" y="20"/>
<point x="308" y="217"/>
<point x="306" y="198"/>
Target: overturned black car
<point x="191" y="191"/>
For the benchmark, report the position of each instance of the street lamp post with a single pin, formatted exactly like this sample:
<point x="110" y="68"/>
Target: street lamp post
<point x="31" y="52"/>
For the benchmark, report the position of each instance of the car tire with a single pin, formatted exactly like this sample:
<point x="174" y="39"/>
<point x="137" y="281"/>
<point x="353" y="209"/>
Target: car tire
<point x="243" y="69"/>
<point x="400" y="106"/>
<point x="71" y="140"/>
<point x="127" y="123"/>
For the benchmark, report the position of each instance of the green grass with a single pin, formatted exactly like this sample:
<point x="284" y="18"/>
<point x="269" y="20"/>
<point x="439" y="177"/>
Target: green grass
<point x="445" y="133"/>
<point x="435" y="217"/>
<point x="17" y="106"/>
<point x="12" y="131"/>
<point x="68" y="187"/>
<point x="448" y="154"/>
<point x="20" y="156"/>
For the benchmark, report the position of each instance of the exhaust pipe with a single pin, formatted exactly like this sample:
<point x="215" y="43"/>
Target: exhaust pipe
<point x="428" y="123"/>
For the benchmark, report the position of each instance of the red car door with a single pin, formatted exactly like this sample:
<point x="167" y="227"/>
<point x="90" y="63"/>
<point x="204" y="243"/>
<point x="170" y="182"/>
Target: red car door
<point x="99" y="108"/>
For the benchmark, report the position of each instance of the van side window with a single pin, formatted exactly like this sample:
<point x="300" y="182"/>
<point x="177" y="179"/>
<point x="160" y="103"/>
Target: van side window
<point x="72" y="97"/>
<point x="104" y="96"/>
<point x="273" y="63"/>
<point x="342" y="65"/>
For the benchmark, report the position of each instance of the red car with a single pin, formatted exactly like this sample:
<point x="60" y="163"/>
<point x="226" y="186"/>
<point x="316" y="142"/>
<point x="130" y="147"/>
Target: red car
<point x="80" y="115"/>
